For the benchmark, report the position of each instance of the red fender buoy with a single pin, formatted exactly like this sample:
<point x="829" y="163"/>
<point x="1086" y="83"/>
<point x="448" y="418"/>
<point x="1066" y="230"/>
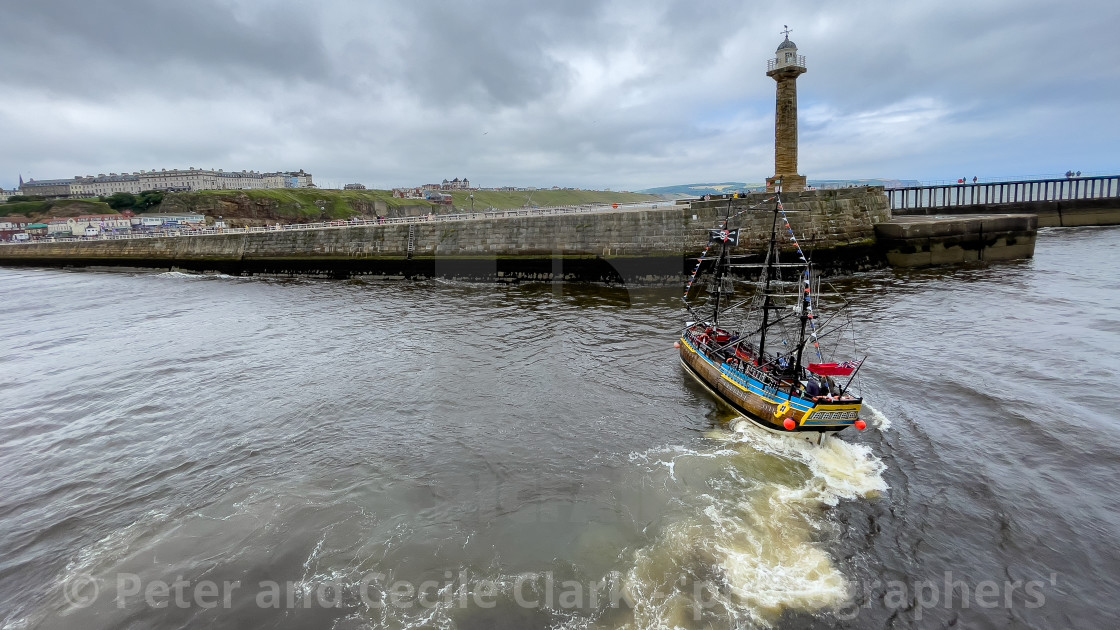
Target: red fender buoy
<point x="789" y="424"/>
<point x="861" y="425"/>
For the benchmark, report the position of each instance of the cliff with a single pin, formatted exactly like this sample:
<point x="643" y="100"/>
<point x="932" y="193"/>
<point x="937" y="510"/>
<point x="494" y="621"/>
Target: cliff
<point x="294" y="205"/>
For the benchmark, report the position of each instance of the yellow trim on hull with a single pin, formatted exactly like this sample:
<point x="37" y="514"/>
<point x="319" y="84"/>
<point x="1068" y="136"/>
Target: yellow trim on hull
<point x="821" y="412"/>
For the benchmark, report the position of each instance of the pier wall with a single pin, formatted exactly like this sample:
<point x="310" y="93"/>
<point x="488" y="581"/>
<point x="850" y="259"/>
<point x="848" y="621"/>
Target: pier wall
<point x="920" y="241"/>
<point x="1065" y="213"/>
<point x="607" y="246"/>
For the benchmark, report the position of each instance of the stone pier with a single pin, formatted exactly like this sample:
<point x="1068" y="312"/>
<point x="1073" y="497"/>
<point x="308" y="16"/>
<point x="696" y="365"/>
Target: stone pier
<point x="650" y="245"/>
<point x="923" y="241"/>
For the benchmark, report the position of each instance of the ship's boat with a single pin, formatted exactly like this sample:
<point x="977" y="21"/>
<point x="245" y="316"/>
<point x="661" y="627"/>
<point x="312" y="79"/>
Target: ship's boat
<point x="767" y="353"/>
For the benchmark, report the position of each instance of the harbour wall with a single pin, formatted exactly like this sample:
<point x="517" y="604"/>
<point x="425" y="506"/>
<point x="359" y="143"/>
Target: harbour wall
<point x="1064" y="213"/>
<point x="924" y="241"/>
<point x="613" y="246"/>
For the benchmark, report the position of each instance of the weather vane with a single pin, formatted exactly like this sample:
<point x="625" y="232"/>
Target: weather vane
<point x="787" y="31"/>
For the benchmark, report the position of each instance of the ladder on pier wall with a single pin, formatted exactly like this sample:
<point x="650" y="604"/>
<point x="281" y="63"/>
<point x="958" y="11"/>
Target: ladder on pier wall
<point x="411" y="241"/>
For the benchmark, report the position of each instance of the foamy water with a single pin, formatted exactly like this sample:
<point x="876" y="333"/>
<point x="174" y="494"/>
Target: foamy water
<point x="749" y="549"/>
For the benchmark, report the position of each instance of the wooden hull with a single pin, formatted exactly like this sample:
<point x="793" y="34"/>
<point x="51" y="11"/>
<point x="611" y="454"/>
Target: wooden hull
<point x="765" y="406"/>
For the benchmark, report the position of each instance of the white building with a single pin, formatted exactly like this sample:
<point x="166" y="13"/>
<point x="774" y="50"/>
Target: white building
<point x="159" y="219"/>
<point x="81" y="226"/>
<point x="173" y="180"/>
<point x="98" y="223"/>
<point x="14" y="223"/>
<point x="58" y="227"/>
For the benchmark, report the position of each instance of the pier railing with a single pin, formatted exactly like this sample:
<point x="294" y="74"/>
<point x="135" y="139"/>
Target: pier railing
<point x="994" y="193"/>
<point x="327" y="225"/>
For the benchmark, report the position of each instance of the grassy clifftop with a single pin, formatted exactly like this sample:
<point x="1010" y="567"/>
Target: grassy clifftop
<point x="291" y="205"/>
<point x="57" y="208"/>
<point x="302" y="205"/>
<point x="294" y="205"/>
<point x="503" y="200"/>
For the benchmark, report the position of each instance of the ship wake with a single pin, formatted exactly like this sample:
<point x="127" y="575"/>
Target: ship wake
<point x="751" y="546"/>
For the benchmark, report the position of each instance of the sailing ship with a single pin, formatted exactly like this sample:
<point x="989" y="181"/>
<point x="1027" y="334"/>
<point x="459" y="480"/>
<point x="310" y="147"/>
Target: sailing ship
<point x="765" y="354"/>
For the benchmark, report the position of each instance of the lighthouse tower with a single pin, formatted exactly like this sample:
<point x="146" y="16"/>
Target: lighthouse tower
<point x="784" y="68"/>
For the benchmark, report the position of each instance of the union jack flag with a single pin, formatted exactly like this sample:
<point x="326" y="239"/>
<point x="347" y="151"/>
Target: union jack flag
<point x="850" y="365"/>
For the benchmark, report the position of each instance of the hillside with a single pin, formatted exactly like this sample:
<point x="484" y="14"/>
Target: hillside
<point x="508" y="200"/>
<point x="305" y="205"/>
<point x="302" y="205"/>
<point x="55" y="209"/>
<point x="291" y="205"/>
<point x="697" y="190"/>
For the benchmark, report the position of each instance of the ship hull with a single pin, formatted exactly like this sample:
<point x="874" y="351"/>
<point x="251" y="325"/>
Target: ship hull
<point x="767" y="407"/>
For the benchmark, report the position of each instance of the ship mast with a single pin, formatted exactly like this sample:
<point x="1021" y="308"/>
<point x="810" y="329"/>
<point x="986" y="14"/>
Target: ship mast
<point x="806" y="304"/>
<point x="721" y="267"/>
<point x="768" y="272"/>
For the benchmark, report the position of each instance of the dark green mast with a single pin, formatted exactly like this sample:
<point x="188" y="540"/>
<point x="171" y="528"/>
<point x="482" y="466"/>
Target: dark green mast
<point x="806" y="304"/>
<point x="721" y="267"/>
<point x="768" y="272"/>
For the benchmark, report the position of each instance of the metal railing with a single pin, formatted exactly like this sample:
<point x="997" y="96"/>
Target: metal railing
<point x="327" y="225"/>
<point x="773" y="64"/>
<point x="995" y="193"/>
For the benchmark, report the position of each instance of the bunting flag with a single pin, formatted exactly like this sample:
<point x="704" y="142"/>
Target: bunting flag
<point x="808" y="302"/>
<point x="696" y="270"/>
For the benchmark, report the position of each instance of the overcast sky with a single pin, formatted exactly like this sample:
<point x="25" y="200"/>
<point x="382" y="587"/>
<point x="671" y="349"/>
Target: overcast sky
<point x="628" y="94"/>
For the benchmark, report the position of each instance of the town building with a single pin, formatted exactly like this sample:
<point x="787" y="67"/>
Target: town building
<point x="455" y="184"/>
<point x="95" y="224"/>
<point x="10" y="227"/>
<point x="82" y="225"/>
<point x="409" y="193"/>
<point x="440" y="198"/>
<point x="14" y="223"/>
<point x="152" y="220"/>
<point x="174" y="180"/>
<point x="354" y="187"/>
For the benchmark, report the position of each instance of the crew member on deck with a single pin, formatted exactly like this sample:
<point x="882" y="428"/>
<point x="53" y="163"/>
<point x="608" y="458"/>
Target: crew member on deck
<point x="813" y="388"/>
<point x="831" y="387"/>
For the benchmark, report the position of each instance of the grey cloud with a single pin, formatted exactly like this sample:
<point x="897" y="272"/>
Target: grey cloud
<point x="618" y="93"/>
<point x="67" y="44"/>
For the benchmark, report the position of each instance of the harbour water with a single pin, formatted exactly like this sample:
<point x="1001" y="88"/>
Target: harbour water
<point x="209" y="451"/>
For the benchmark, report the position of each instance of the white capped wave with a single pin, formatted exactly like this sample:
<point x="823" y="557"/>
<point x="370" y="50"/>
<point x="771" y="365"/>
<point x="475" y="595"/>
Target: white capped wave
<point x="750" y="549"/>
<point x="876" y="418"/>
<point x="200" y="276"/>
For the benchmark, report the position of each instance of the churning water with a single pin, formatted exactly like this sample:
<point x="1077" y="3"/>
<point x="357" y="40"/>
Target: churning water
<point x="207" y="451"/>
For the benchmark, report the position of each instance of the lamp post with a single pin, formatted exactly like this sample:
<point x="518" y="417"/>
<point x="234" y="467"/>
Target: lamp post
<point x="472" y="203"/>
